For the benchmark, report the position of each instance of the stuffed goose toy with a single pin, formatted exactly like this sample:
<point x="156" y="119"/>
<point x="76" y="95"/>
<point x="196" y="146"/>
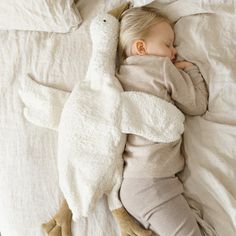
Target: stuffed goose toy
<point x="92" y="122"/>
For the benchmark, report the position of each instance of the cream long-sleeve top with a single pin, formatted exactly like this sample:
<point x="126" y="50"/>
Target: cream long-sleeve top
<point x="184" y="88"/>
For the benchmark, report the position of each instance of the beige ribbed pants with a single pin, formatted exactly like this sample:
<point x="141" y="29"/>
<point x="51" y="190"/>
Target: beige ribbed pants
<point x="158" y="204"/>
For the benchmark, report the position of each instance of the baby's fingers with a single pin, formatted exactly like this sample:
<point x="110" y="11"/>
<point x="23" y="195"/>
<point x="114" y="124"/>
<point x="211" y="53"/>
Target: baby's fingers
<point x="180" y="64"/>
<point x="183" y="64"/>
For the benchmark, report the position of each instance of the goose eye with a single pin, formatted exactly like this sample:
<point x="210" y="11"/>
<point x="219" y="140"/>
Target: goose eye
<point x="104" y="20"/>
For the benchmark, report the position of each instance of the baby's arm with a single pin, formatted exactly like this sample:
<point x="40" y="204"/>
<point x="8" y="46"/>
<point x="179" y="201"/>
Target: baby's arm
<point x="187" y="87"/>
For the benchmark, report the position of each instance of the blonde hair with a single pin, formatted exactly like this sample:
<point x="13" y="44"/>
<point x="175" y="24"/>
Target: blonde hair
<point x="135" y="24"/>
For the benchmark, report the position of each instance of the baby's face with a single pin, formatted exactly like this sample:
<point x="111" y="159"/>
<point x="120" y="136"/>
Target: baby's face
<point x="160" y="40"/>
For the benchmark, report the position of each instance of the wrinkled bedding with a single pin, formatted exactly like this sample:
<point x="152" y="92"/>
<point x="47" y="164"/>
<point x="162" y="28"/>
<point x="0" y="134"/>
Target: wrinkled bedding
<point x="42" y="15"/>
<point x="28" y="172"/>
<point x="209" y="141"/>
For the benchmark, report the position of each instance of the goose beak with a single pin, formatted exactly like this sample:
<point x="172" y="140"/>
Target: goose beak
<point x="117" y="12"/>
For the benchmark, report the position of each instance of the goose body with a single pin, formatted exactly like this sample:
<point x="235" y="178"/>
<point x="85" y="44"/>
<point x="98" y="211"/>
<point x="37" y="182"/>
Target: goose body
<point x="92" y="122"/>
<point x="90" y="143"/>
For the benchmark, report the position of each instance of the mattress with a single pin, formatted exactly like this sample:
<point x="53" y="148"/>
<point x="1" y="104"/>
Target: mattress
<point x="30" y="194"/>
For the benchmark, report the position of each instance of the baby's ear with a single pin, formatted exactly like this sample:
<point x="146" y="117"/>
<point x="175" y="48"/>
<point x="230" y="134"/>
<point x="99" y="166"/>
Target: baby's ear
<point x="139" y="47"/>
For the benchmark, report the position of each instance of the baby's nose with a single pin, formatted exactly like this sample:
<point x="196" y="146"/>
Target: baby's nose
<point x="174" y="51"/>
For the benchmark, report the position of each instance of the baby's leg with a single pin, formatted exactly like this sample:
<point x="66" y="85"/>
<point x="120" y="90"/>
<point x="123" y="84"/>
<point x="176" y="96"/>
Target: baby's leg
<point x="159" y="205"/>
<point x="174" y="218"/>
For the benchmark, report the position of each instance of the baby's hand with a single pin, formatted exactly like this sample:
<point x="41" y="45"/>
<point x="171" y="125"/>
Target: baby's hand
<point x="183" y="64"/>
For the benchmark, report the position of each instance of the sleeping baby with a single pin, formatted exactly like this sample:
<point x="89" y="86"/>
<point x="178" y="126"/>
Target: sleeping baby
<point x="151" y="190"/>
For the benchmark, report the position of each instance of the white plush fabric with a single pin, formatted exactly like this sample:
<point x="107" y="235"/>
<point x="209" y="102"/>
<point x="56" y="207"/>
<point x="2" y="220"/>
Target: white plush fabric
<point x="43" y="107"/>
<point x="151" y="117"/>
<point x="90" y="144"/>
<point x="44" y="104"/>
<point x="91" y="141"/>
<point x="29" y="186"/>
<point x="42" y="15"/>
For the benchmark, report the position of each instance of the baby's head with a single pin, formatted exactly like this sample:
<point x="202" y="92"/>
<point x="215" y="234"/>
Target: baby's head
<point x="143" y="31"/>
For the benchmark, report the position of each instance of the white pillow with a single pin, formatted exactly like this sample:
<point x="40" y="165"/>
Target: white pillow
<point x="59" y="16"/>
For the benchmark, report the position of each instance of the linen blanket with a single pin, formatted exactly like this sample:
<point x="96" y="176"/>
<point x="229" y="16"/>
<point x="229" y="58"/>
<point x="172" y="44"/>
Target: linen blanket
<point x="28" y="172"/>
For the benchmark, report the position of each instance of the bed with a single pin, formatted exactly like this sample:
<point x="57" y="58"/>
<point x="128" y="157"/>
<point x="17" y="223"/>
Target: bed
<point x="57" y="55"/>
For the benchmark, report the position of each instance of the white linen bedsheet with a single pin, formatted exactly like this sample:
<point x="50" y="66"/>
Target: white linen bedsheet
<point x="209" y="141"/>
<point x="208" y="40"/>
<point x="30" y="193"/>
<point x="28" y="171"/>
<point x="42" y="15"/>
